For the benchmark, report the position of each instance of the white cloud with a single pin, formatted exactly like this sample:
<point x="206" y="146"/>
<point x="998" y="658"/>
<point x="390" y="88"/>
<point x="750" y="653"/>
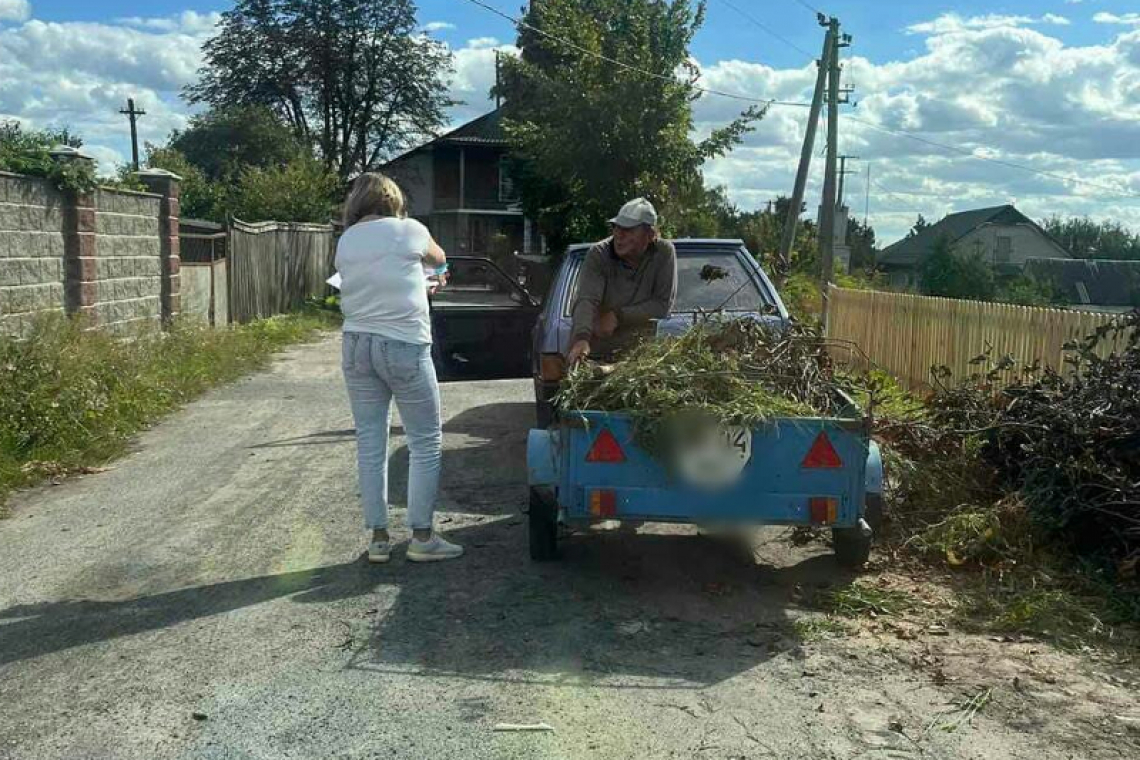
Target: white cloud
<point x="437" y="26"/>
<point x="15" y="10"/>
<point x="187" y="22"/>
<point x="1128" y="19"/>
<point x="952" y="22"/>
<point x="474" y="76"/>
<point x="80" y="74"/>
<point x="990" y="88"/>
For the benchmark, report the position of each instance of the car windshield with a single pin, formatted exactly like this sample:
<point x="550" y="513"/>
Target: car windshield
<point x="708" y="281"/>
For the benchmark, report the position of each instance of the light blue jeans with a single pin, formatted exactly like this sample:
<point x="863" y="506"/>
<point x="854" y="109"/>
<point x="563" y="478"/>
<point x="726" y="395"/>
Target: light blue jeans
<point x="376" y="370"/>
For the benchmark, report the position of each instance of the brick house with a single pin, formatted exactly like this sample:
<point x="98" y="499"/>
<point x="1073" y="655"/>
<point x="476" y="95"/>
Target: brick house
<point x="458" y="186"/>
<point x="1002" y="235"/>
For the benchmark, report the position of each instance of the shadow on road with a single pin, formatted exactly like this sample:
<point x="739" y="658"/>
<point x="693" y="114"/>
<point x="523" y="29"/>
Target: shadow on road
<point x="644" y="611"/>
<point x="484" y="474"/>
<point x="31" y="630"/>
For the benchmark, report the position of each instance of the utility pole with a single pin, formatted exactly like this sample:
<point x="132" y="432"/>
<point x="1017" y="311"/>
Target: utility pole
<point x="842" y="174"/>
<point x="498" y="83"/>
<point x="827" y="216"/>
<point x="133" y="113"/>
<point x="867" y="202"/>
<point x="793" y="218"/>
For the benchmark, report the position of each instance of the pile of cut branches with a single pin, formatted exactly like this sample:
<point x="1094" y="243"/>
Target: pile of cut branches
<point x="1070" y="444"/>
<point x="737" y="372"/>
<point x="1062" y="447"/>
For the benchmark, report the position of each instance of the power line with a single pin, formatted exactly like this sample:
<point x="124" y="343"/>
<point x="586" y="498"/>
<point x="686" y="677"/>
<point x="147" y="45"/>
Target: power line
<point x="623" y="65"/>
<point x="999" y="161"/>
<point x="811" y="8"/>
<point x="766" y="28"/>
<point x="773" y="102"/>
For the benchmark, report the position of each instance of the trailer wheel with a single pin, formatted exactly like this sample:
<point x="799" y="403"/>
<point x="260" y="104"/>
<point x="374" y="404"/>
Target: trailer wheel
<point x="542" y="521"/>
<point x="852" y="547"/>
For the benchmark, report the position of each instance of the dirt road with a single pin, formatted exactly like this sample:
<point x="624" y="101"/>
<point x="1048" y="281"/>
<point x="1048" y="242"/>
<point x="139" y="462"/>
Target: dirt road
<point x="207" y="598"/>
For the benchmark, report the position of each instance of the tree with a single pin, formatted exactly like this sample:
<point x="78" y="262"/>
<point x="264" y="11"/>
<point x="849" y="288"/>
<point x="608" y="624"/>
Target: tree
<point x="301" y="191"/>
<point x="861" y="240"/>
<point x="224" y="141"/>
<point x="587" y="134"/>
<point x="199" y="197"/>
<point x="354" y="78"/>
<point x="951" y="274"/>
<point x="1088" y="239"/>
<point x="920" y="224"/>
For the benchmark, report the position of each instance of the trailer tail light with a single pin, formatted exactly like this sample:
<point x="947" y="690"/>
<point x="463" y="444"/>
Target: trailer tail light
<point x="606" y="449"/>
<point x="822" y="455"/>
<point x="552" y="368"/>
<point x="823" y="510"/>
<point x="603" y="503"/>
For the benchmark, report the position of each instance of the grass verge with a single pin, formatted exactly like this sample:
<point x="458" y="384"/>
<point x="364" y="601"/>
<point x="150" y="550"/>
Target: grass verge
<point x="70" y="398"/>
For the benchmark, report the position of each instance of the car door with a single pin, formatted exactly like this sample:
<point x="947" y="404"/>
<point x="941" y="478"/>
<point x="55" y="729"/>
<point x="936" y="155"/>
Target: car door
<point x="482" y="321"/>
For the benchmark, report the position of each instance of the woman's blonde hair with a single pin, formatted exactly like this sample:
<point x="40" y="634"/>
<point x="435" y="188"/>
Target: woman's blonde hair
<point x="373" y="194"/>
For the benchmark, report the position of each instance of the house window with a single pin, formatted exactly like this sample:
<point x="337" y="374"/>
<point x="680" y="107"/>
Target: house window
<point x="507" y="191"/>
<point x="1004" y="249"/>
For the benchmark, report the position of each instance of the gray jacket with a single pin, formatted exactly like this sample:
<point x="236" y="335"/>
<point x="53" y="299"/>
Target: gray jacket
<point x="636" y="295"/>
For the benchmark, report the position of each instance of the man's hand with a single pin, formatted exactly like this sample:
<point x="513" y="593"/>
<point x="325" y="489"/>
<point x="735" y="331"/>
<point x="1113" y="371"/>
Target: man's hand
<point x="607" y="324"/>
<point x="579" y="351"/>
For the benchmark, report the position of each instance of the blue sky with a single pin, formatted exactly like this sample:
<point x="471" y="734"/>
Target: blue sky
<point x="1054" y="85"/>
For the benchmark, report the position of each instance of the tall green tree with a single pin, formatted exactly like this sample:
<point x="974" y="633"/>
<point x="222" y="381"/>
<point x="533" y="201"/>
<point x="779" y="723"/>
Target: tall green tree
<point x="1088" y="239"/>
<point x="354" y="78"/>
<point x="224" y="141"/>
<point x="588" y="134"/>
<point x="952" y="274"/>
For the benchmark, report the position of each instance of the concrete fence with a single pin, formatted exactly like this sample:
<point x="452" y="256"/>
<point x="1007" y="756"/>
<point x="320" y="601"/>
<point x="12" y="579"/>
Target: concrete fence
<point x="111" y="255"/>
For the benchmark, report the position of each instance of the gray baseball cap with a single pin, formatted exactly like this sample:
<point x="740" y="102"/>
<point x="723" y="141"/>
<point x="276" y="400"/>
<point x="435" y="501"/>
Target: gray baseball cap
<point x="636" y="213"/>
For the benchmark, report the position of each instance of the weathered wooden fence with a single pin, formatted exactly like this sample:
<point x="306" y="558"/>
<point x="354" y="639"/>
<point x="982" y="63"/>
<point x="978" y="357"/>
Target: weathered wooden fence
<point x="906" y="335"/>
<point x="274" y="267"/>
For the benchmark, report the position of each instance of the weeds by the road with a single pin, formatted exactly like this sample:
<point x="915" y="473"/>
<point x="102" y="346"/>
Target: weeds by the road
<point x="863" y="599"/>
<point x="71" y="398"/>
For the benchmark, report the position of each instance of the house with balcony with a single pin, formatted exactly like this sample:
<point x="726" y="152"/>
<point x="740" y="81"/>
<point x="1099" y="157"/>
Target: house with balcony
<point x="458" y="185"/>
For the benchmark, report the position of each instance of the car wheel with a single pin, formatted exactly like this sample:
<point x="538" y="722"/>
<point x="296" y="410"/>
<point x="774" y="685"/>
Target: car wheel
<point x="542" y="521"/>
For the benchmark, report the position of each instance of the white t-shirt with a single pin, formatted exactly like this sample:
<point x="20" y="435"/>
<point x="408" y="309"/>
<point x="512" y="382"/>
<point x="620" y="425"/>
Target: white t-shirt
<point x="383" y="290"/>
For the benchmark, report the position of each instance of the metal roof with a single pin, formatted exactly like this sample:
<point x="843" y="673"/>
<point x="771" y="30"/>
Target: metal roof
<point x="1089" y="281"/>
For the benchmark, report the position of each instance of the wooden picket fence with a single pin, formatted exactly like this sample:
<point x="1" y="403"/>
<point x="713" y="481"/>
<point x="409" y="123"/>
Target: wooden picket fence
<point x="907" y="335"/>
<point x="275" y="266"/>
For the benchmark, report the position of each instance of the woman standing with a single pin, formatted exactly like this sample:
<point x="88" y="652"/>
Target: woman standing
<point x="387" y="355"/>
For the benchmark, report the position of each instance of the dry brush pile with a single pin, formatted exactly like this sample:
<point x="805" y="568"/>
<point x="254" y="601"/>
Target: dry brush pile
<point x="998" y="477"/>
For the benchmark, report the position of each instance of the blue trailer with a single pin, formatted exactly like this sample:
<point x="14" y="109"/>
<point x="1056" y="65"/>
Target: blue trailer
<point x="588" y="467"/>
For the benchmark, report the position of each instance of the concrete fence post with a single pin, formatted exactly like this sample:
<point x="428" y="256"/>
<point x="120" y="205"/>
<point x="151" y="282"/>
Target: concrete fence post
<point x="79" y="289"/>
<point x="166" y="184"/>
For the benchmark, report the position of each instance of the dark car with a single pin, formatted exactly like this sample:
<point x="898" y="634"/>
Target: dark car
<point x="740" y="288"/>
<point x="481" y="322"/>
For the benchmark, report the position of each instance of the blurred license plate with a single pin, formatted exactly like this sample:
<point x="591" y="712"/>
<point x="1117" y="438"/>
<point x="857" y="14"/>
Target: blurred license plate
<point x="714" y="456"/>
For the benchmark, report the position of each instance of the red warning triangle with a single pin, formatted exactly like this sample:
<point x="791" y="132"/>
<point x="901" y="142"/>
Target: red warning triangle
<point x="822" y="454"/>
<point x="606" y="449"/>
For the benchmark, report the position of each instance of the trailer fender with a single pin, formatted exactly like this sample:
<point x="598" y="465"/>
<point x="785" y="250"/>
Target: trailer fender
<point x="540" y="461"/>
<point x="874" y="478"/>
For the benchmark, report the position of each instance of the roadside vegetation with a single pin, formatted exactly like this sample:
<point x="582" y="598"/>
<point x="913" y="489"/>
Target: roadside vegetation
<point x="70" y="398"/>
<point x="1025" y="495"/>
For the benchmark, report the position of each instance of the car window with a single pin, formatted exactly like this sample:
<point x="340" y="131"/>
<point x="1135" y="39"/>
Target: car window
<point x="705" y="282"/>
<point x="477" y="283"/>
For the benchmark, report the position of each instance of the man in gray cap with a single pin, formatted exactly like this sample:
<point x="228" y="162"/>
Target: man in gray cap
<point x="627" y="280"/>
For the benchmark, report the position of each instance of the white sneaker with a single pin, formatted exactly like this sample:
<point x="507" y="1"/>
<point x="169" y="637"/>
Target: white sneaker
<point x="379" y="552"/>
<point x="435" y="549"/>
